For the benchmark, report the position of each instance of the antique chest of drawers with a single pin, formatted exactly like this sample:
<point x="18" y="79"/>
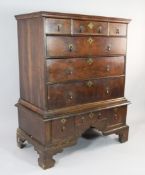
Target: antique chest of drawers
<point x="72" y="79"/>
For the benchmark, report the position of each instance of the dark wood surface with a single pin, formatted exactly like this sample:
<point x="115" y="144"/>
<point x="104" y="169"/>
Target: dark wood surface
<point x="58" y="46"/>
<point x="60" y="70"/>
<point x="31" y="62"/>
<point x="57" y="26"/>
<point x="71" y="16"/>
<point x="70" y="94"/>
<point x="72" y="79"/>
<point x="90" y="27"/>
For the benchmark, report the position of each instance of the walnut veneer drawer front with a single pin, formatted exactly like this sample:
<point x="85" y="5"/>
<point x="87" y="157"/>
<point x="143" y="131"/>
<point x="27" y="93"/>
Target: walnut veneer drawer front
<point x="73" y="93"/>
<point x="84" y="68"/>
<point x="90" y="27"/>
<point x="91" y="119"/>
<point x="116" y="116"/>
<point x="84" y="46"/>
<point x="62" y="128"/>
<point x="117" y="29"/>
<point x="57" y="26"/>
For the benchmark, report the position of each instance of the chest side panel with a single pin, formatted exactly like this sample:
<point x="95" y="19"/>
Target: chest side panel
<point x="31" y="61"/>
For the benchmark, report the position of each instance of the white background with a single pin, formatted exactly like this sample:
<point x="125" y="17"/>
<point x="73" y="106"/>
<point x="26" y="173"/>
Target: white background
<point x="100" y="156"/>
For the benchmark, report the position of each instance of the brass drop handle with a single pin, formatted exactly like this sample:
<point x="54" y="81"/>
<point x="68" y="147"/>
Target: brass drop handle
<point x="59" y="27"/>
<point x="117" y="31"/>
<point x="70" y="46"/>
<point x="63" y="128"/>
<point x="109" y="47"/>
<point x="70" y="95"/>
<point x="90" y="40"/>
<point x="107" y="90"/>
<point x="91" y="115"/>
<point x="68" y="71"/>
<point x="90" y="61"/>
<point x="108" y="68"/>
<point x="115" y="116"/>
<point x="63" y="121"/>
<point x="99" y="116"/>
<point x="83" y="118"/>
<point x="99" y="30"/>
<point x="89" y="84"/>
<point x="81" y="29"/>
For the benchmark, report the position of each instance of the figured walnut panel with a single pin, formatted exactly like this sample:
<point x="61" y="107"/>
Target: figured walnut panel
<point x="60" y="70"/>
<point x="84" y="46"/>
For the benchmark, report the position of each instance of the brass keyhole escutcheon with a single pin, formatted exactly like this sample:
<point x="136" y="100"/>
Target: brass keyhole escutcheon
<point x="63" y="121"/>
<point x="91" y="25"/>
<point x="90" y="61"/>
<point x="89" y="83"/>
<point x="91" y="115"/>
<point x="90" y="40"/>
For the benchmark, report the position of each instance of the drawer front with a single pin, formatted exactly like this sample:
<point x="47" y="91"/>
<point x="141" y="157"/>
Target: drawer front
<point x="116" y="116"/>
<point x="84" y="46"/>
<point x="90" y="27"/>
<point x="57" y="26"/>
<point x="62" y="128"/>
<point x="84" y="68"/>
<point x="91" y="119"/>
<point x="73" y="93"/>
<point x="117" y="29"/>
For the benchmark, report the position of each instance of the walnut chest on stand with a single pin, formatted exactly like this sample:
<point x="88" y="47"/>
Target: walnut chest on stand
<point x="72" y="79"/>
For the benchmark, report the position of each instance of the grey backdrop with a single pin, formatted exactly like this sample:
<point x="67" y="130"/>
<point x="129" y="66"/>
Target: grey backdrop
<point x="130" y="155"/>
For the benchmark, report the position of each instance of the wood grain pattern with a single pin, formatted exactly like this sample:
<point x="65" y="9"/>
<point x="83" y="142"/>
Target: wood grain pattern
<point x="60" y="70"/>
<point x="32" y="61"/>
<point x="90" y="27"/>
<point x="71" y="16"/>
<point x="117" y="29"/>
<point x="57" y="26"/>
<point x="105" y="46"/>
<point x="69" y="94"/>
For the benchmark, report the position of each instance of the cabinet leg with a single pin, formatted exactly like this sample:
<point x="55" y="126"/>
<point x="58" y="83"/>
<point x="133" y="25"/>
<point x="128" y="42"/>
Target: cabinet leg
<point x="123" y="135"/>
<point x="45" y="159"/>
<point x="20" y="141"/>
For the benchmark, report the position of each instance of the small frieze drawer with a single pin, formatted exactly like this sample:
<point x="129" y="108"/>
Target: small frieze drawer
<point x="90" y="27"/>
<point x="117" y="29"/>
<point x="57" y="26"/>
<point x="62" y="128"/>
<point x="116" y="116"/>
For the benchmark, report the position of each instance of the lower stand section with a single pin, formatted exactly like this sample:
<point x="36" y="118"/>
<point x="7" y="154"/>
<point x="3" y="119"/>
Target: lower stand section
<point x="46" y="152"/>
<point x="45" y="159"/>
<point x="122" y="132"/>
<point x="123" y="135"/>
